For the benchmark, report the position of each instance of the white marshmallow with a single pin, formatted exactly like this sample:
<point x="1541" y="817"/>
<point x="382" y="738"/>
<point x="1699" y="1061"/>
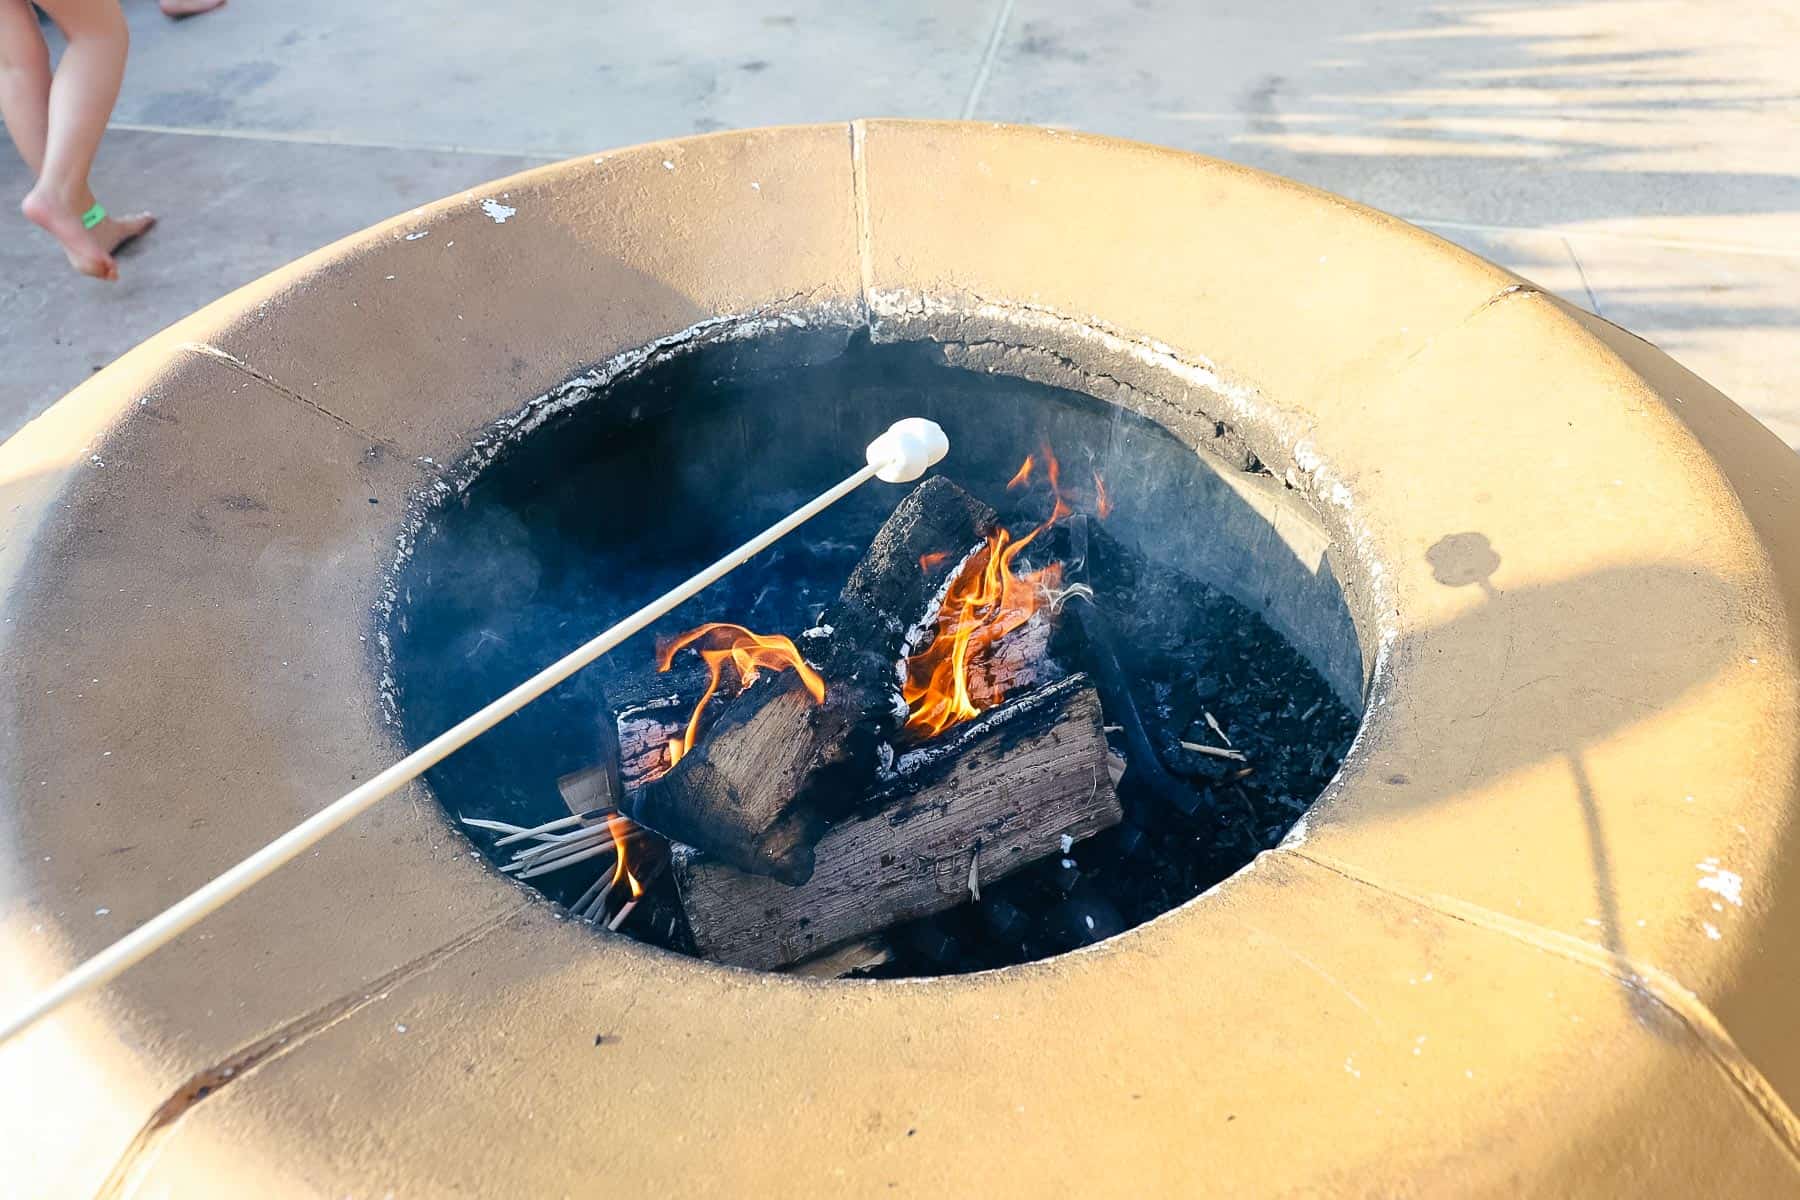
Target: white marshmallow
<point x="907" y="450"/>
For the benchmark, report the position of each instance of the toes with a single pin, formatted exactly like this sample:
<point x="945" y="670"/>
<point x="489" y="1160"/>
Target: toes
<point x="122" y="229"/>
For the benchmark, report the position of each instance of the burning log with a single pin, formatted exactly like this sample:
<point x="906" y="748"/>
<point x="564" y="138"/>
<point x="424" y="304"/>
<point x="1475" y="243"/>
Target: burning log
<point x="650" y="710"/>
<point x="783" y="758"/>
<point x="996" y="794"/>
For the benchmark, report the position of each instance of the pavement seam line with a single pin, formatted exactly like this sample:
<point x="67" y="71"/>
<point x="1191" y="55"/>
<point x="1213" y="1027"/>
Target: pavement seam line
<point x="988" y="54"/>
<point x="1593" y="300"/>
<point x="558" y="155"/>
<point x="1644" y="239"/>
<point x="137" y="1157"/>
<point x="1639" y="977"/>
<point x="325" y="139"/>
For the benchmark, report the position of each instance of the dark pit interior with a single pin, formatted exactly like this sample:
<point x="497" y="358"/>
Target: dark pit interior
<point x="618" y="498"/>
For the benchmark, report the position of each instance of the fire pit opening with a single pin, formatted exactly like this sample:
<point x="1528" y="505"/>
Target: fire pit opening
<point x="1076" y="677"/>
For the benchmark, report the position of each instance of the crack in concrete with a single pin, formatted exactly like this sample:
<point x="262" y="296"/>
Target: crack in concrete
<point x="137" y="1157"/>
<point x="859" y="189"/>
<point x="1381" y="1026"/>
<point x="1639" y="978"/>
<point x="1514" y="289"/>
<point x="206" y="350"/>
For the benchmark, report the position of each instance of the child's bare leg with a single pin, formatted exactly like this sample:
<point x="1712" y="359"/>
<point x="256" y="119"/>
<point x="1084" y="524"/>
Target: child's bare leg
<point x="24" y="81"/>
<point x="82" y="93"/>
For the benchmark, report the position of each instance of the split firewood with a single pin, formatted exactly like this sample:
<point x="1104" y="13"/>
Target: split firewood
<point x="845" y="960"/>
<point x="1017" y="663"/>
<point x="651" y="709"/>
<point x="775" y="766"/>
<point x="1003" y="790"/>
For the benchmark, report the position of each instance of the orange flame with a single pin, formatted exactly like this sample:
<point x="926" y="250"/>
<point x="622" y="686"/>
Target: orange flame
<point x="928" y="561"/>
<point x="1022" y="476"/>
<point x="621" y="829"/>
<point x="750" y="653"/>
<point x="1102" y="505"/>
<point x="985" y="603"/>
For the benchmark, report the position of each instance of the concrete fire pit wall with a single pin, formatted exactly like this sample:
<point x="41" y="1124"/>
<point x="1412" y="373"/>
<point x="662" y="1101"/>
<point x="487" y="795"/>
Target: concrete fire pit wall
<point x="1541" y="935"/>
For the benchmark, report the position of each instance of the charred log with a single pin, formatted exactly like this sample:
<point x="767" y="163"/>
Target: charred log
<point x="650" y="709"/>
<point x="775" y="768"/>
<point x="980" y="806"/>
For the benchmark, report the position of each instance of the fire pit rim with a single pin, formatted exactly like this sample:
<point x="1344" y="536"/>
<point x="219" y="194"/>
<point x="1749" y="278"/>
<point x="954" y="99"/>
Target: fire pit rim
<point x="1088" y="356"/>
<point x="1728" y="479"/>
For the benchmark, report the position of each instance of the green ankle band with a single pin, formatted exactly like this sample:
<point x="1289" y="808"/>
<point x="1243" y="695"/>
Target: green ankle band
<point x="93" y="216"/>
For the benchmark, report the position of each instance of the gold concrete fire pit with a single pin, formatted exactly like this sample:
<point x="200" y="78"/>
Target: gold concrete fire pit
<point x="1538" y="935"/>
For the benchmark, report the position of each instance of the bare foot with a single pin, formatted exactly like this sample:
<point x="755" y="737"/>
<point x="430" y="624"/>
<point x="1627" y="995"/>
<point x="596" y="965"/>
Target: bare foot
<point x="89" y="250"/>
<point x="177" y="9"/>
<point x="114" y="232"/>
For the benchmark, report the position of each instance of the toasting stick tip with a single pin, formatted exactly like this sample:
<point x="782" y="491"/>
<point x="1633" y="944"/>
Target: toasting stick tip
<point x="906" y="451"/>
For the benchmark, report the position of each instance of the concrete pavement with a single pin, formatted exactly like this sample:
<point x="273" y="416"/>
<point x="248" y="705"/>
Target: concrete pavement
<point x="1637" y="157"/>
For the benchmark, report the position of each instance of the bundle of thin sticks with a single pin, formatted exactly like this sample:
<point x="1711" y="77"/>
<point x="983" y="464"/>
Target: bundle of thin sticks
<point x="568" y="841"/>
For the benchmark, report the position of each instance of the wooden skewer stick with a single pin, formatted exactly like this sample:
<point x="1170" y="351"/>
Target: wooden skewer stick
<point x="571" y="860"/>
<point x="587" y="818"/>
<point x="579" y="908"/>
<point x="567" y="850"/>
<point x="906" y="451"/>
<point x="611" y="881"/>
<point x="619" y="920"/>
<point x="602" y="836"/>
<point x="493" y="826"/>
<point x="1215" y="728"/>
<point x="1215" y="751"/>
<point x="556" y="843"/>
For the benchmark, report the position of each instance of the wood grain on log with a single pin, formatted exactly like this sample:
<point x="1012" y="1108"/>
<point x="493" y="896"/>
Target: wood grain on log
<point x="1018" y="663"/>
<point x="1004" y="800"/>
<point x="774" y="769"/>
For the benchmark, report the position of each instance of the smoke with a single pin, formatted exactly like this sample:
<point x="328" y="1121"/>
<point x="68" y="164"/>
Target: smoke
<point x="613" y="500"/>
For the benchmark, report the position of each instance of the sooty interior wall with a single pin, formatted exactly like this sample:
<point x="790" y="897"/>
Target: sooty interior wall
<point x="616" y="500"/>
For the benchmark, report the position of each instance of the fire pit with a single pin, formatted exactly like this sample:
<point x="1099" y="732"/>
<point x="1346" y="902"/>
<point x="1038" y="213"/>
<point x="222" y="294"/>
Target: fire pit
<point x="1561" y="845"/>
<point x="996" y="808"/>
